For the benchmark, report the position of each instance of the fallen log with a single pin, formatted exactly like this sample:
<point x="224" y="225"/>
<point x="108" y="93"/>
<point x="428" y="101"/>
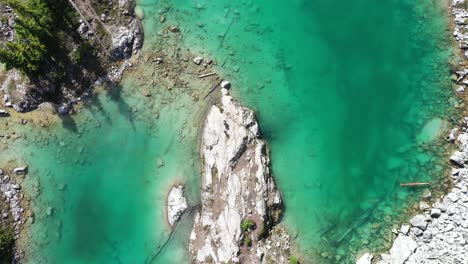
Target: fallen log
<point x="412" y="184"/>
<point x="212" y="89"/>
<point x="206" y="75"/>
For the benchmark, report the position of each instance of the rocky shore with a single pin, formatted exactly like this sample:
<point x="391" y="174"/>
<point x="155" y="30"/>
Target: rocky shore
<point x="12" y="213"/>
<point x="439" y="234"/>
<point x="241" y="206"/>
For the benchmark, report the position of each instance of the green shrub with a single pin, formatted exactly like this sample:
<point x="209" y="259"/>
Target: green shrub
<point x="247" y="225"/>
<point x="247" y="241"/>
<point x="293" y="260"/>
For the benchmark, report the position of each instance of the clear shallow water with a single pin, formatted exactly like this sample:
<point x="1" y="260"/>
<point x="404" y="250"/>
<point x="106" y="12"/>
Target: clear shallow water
<point x="343" y="91"/>
<point x="98" y="177"/>
<point x="350" y="95"/>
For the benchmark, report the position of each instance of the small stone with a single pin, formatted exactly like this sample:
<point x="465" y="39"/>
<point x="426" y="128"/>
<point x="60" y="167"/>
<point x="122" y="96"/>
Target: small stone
<point x="158" y="60"/>
<point x="453" y="197"/>
<point x="49" y="211"/>
<point x="174" y="29"/>
<point x="416" y="231"/>
<point x="225" y="84"/>
<point x="198" y="60"/>
<point x="146" y="93"/>
<point x="162" y="18"/>
<point x="423" y="206"/>
<point x="435" y="213"/>
<point x="427" y="194"/>
<point x="21" y="170"/>
<point x="365" y="259"/>
<point x="160" y="162"/>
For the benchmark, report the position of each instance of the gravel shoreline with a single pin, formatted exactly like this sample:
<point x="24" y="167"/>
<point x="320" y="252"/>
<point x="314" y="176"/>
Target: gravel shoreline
<point x="439" y="234"/>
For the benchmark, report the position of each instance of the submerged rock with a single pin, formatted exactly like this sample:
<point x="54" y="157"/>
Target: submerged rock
<point x="237" y="187"/>
<point x="21" y="170"/>
<point x="176" y="204"/>
<point x="197" y="60"/>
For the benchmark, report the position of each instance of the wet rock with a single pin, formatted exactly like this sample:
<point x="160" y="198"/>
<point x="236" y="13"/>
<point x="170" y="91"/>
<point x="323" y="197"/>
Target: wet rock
<point x="176" y="204"/>
<point x="174" y="29"/>
<point x="65" y="109"/>
<point x="225" y="84"/>
<point x="365" y="259"/>
<point x="4" y="113"/>
<point x="21" y="170"/>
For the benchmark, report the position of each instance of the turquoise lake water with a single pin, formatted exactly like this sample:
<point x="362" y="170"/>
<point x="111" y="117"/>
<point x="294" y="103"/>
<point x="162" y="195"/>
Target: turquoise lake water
<point x="349" y="95"/>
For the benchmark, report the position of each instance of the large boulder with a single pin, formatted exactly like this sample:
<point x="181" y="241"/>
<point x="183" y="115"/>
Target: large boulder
<point x="402" y="248"/>
<point x="176" y="204"/>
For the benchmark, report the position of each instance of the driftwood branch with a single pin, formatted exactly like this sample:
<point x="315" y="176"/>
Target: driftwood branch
<point x="206" y="75"/>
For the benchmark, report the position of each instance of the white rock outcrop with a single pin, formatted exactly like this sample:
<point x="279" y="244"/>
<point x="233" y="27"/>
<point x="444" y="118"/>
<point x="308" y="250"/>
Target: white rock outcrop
<point x="366" y="258"/>
<point x="236" y="185"/>
<point x="176" y="204"/>
<point x="126" y="40"/>
<point x="402" y="248"/>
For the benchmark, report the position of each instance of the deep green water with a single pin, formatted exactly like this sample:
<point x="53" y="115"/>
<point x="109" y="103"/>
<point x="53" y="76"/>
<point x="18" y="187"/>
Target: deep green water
<point x="348" y="93"/>
<point x="344" y="91"/>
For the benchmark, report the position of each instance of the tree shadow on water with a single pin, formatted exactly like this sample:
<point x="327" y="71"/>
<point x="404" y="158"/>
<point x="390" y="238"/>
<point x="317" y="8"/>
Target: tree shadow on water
<point x="115" y="94"/>
<point x="69" y="124"/>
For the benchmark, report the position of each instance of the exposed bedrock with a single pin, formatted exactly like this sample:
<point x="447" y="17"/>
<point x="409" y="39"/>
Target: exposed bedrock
<point x="240" y="204"/>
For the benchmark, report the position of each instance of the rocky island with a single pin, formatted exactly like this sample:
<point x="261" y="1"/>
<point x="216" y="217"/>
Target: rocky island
<point x="240" y="206"/>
